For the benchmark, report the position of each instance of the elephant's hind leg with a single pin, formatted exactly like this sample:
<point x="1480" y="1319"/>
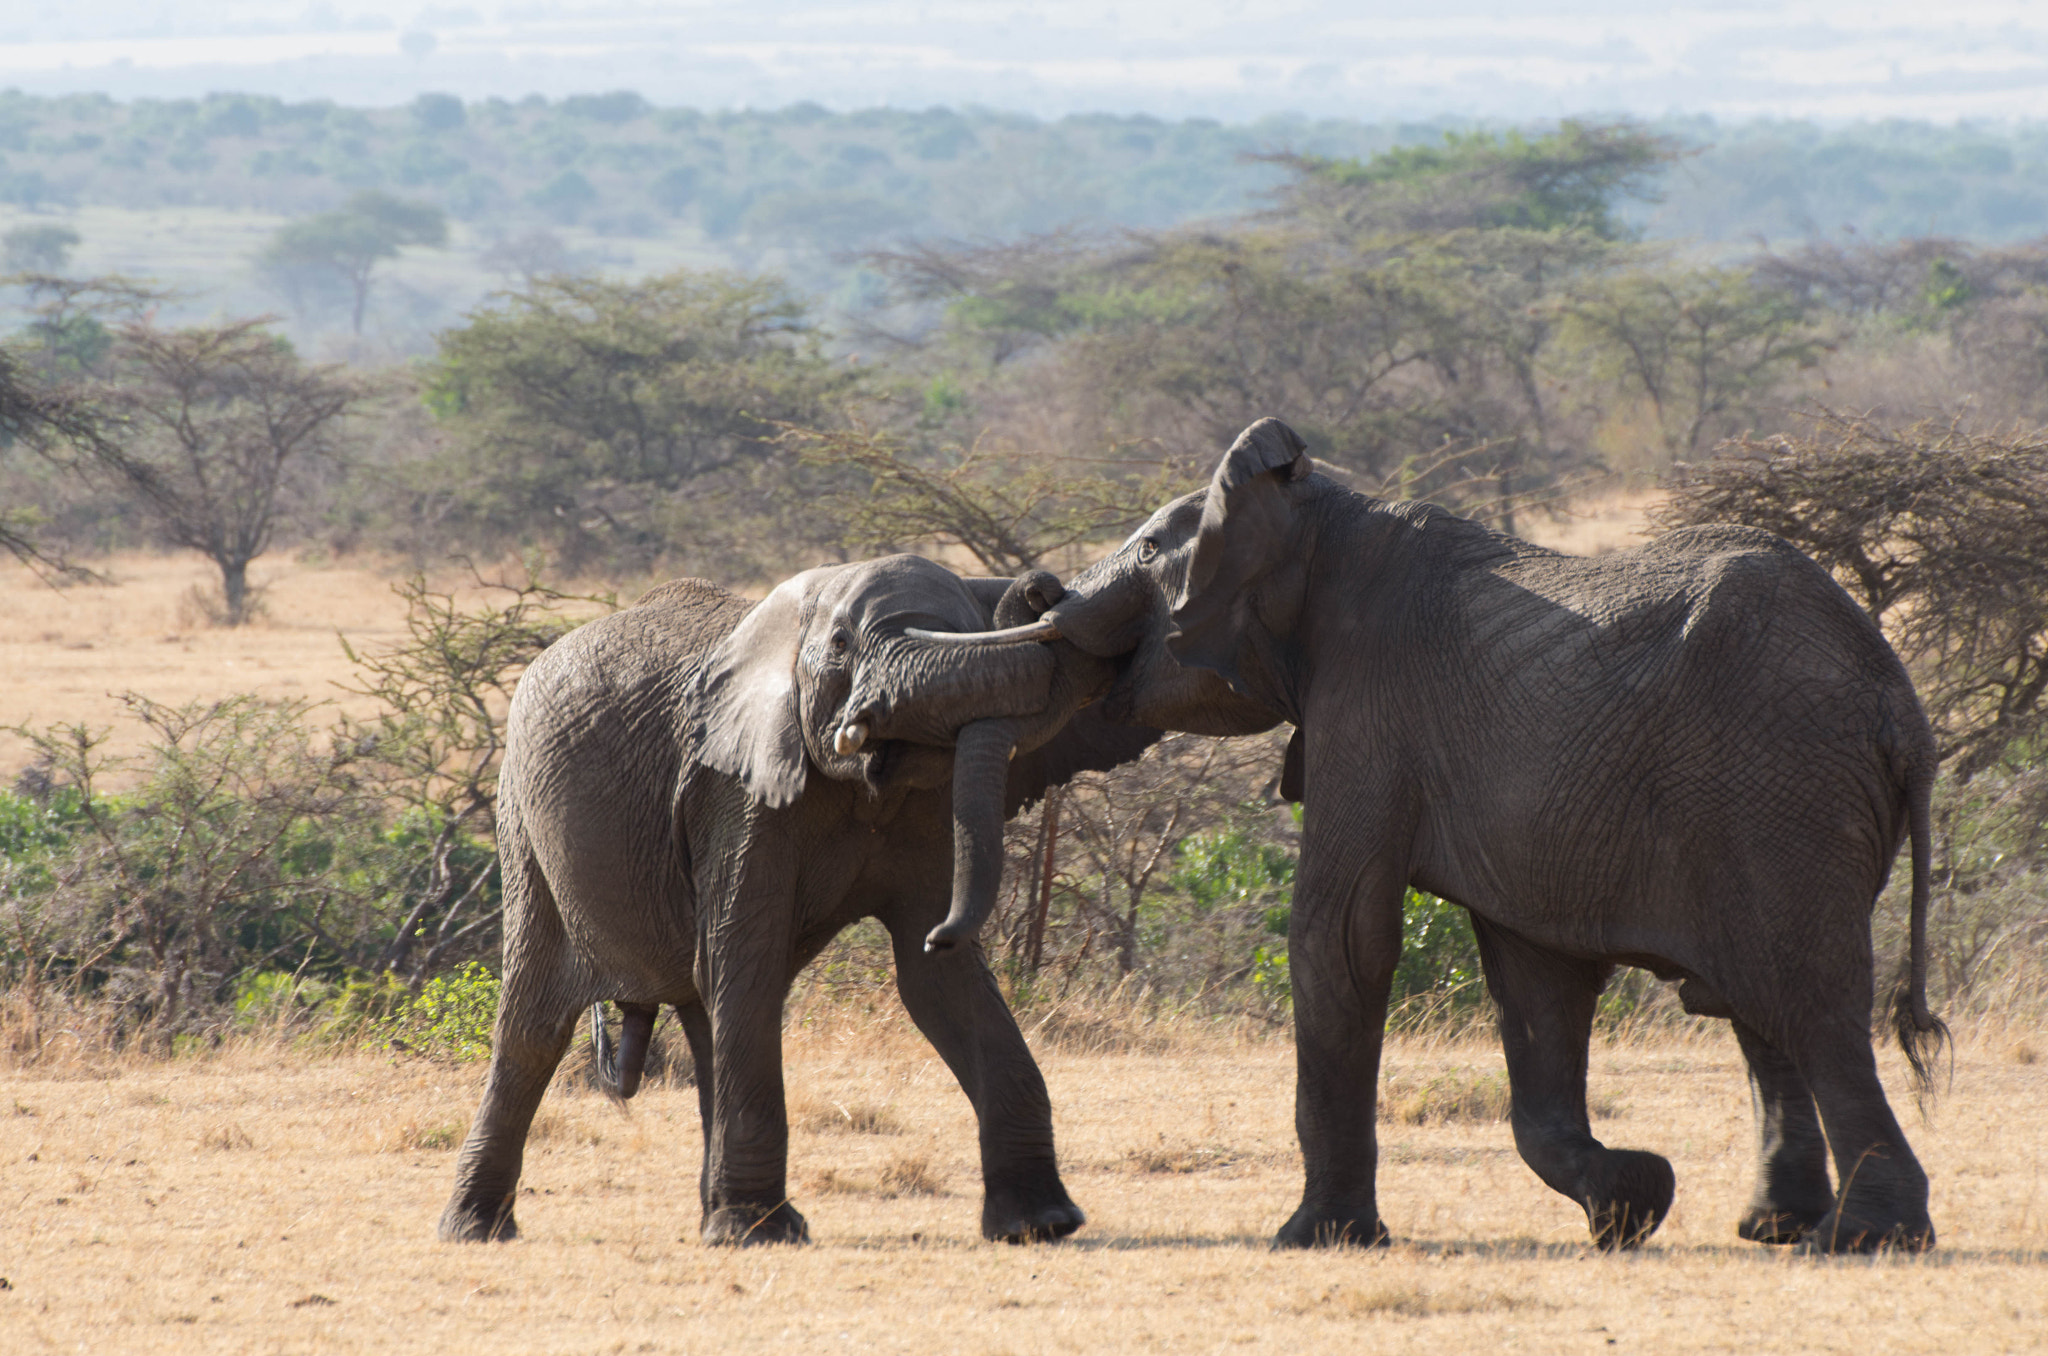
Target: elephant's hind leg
<point x="1546" y="1019"/>
<point x="1883" y="1198"/>
<point x="1792" y="1190"/>
<point x="537" y="1015"/>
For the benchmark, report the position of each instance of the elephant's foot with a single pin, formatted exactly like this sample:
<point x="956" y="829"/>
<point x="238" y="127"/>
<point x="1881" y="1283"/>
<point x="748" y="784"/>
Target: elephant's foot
<point x="1314" y="1228"/>
<point x="1768" y="1224"/>
<point x="1846" y="1231"/>
<point x="1784" y="1217"/>
<point x="471" y="1220"/>
<point x="744" y="1226"/>
<point x="1018" y="1215"/>
<point x="1627" y="1194"/>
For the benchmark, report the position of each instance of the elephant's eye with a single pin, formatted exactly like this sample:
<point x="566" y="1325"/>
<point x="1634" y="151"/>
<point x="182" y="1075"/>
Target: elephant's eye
<point x="1147" y="549"/>
<point x="838" y="644"/>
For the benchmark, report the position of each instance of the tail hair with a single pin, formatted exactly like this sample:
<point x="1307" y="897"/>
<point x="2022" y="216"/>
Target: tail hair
<point x="1922" y="1037"/>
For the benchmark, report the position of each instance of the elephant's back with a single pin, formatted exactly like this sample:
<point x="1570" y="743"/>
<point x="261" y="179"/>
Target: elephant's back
<point x="635" y="663"/>
<point x="1688" y="707"/>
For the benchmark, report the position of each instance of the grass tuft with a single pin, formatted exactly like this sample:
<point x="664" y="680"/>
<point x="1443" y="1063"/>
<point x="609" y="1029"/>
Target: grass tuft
<point x="853" y="1118"/>
<point x="908" y="1175"/>
<point x="1403" y="1301"/>
<point x="226" y="1136"/>
<point x="1179" y="1157"/>
<point x="422" y="1135"/>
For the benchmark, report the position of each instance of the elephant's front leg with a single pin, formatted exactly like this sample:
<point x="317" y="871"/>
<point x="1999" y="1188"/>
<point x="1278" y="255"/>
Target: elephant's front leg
<point x="1546" y="1004"/>
<point x="955" y="1002"/>
<point x="743" y="965"/>
<point x="746" y="1149"/>
<point x="1343" y="942"/>
<point x="696" y="1023"/>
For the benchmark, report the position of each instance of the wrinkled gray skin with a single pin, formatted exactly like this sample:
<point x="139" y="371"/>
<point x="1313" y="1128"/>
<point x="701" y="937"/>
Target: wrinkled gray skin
<point x="679" y="825"/>
<point x="1697" y="756"/>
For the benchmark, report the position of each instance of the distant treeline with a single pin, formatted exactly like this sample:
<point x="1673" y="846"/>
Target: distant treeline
<point x="807" y="179"/>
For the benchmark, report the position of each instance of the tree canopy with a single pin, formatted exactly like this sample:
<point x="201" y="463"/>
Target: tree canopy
<point x="341" y="249"/>
<point x="606" y="408"/>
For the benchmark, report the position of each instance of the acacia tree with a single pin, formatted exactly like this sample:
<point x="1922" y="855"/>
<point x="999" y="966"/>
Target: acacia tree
<point x="206" y="423"/>
<point x="1702" y="346"/>
<point x="1010" y="512"/>
<point x="38" y="415"/>
<point x="626" y="419"/>
<point x="341" y="249"/>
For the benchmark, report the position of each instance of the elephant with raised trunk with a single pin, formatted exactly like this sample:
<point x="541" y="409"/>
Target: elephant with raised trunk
<point x="700" y="792"/>
<point x="1697" y="756"/>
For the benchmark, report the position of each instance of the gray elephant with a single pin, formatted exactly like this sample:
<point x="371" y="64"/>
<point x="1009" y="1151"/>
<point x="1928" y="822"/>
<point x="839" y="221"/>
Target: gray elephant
<point x="1697" y="756"/>
<point x="700" y="792"/>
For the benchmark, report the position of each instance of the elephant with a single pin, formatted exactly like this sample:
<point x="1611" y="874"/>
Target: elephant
<point x="699" y="792"/>
<point x="1697" y="756"/>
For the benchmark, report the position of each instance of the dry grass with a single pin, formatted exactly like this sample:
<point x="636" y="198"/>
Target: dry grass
<point x="262" y="1200"/>
<point x="69" y="653"/>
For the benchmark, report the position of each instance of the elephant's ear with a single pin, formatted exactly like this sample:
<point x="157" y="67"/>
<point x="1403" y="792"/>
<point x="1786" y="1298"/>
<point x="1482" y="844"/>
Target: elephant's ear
<point x="747" y="716"/>
<point x="1246" y="522"/>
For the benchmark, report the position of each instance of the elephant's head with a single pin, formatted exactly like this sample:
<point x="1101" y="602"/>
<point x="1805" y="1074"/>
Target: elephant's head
<point x="871" y="672"/>
<point x="1190" y="605"/>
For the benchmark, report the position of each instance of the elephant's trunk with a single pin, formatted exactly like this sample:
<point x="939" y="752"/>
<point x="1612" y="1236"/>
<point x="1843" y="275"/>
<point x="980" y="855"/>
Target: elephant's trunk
<point x="981" y="769"/>
<point x="1107" y="610"/>
<point x="1103" y="614"/>
<point x="923" y="692"/>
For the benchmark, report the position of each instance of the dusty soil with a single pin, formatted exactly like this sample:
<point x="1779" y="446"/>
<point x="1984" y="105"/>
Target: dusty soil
<point x="267" y="1200"/>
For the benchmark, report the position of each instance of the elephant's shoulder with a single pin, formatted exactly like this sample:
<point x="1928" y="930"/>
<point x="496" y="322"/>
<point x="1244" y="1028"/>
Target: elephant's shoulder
<point x="691" y="595"/>
<point x="695" y="611"/>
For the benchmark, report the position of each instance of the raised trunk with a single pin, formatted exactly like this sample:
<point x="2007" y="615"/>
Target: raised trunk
<point x="981" y="769"/>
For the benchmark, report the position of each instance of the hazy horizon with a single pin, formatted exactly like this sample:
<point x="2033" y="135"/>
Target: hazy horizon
<point x="1223" y="59"/>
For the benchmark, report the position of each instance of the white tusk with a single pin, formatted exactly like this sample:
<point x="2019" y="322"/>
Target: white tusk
<point x="1014" y="635"/>
<point x="850" y="738"/>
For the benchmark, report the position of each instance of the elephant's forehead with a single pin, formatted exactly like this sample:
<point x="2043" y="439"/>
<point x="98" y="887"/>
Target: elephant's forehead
<point x="901" y="588"/>
<point x="1177" y="519"/>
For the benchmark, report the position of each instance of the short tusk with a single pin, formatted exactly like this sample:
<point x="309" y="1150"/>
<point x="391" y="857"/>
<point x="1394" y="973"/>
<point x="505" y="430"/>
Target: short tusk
<point x="850" y="738"/>
<point x="1014" y="635"/>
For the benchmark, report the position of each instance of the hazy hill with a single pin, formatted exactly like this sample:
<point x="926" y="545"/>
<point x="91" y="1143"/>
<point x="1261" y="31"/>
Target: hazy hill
<point x="632" y="187"/>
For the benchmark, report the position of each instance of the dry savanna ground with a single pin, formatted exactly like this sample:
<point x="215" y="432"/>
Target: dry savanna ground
<point x="69" y="653"/>
<point x="262" y="1199"/>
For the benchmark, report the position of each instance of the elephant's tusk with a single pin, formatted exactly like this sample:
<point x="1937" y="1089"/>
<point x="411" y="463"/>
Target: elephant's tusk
<point x="850" y="738"/>
<point x="1014" y="635"/>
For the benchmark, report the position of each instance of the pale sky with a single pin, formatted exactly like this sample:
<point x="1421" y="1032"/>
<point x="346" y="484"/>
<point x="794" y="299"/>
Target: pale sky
<point x="1228" y="59"/>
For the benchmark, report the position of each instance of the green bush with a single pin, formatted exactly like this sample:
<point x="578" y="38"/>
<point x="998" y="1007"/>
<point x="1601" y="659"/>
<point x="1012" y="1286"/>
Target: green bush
<point x="451" y="1017"/>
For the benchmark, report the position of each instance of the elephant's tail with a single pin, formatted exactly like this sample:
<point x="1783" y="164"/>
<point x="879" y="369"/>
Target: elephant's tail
<point x="619" y="1065"/>
<point x="1921" y="1034"/>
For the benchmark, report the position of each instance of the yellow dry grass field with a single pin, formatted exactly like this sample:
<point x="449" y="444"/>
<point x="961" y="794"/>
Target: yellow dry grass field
<point x="265" y="1200"/>
<point x="69" y="653"/>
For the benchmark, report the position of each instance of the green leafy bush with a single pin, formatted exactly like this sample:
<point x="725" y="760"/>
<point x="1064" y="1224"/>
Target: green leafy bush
<point x="451" y="1017"/>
